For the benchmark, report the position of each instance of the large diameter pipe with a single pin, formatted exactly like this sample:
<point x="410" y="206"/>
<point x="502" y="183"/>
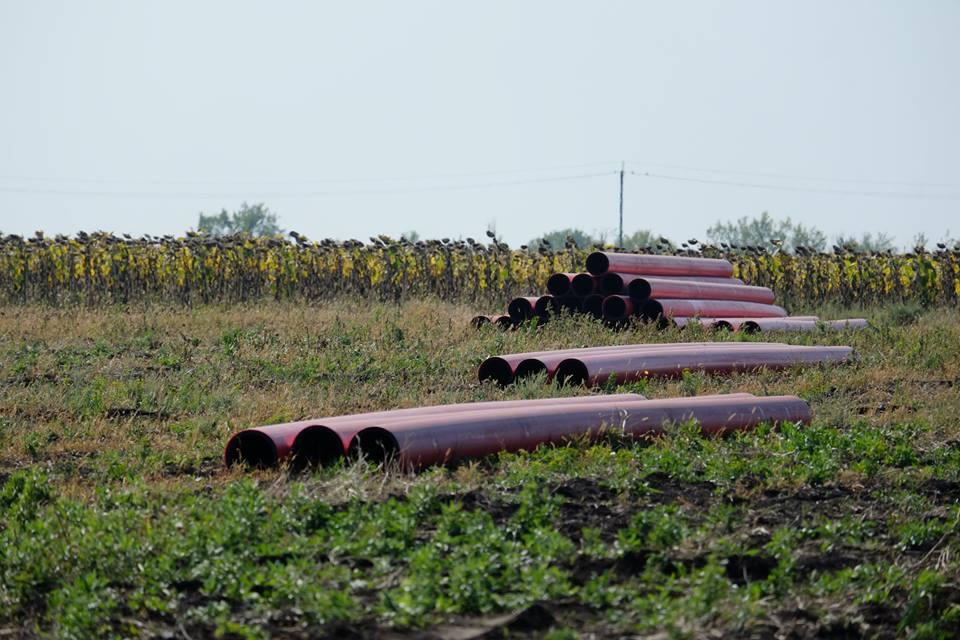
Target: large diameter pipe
<point x="505" y="369"/>
<point x="559" y="284"/>
<point x="666" y="288"/>
<point x="596" y="369"/>
<point x="730" y="324"/>
<point x="794" y="324"/>
<point x="418" y="443"/>
<point x="600" y="262"/>
<point x="653" y="309"/>
<point x="321" y="441"/>
<point x="613" y="283"/>
<point x="546" y="306"/>
<point x="619" y="308"/>
<point x="525" y="307"/>
<point x="584" y="284"/>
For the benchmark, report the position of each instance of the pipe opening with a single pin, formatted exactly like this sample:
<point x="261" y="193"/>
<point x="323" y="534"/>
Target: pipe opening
<point x="651" y="310"/>
<point x="504" y="322"/>
<point x="640" y="289"/>
<point x="750" y="327"/>
<point x="315" y="446"/>
<point x="583" y="284"/>
<point x="571" y="372"/>
<point x="611" y="284"/>
<point x="721" y="325"/>
<point x="497" y="369"/>
<point x="253" y="449"/>
<point x="615" y="308"/>
<point x="546" y="306"/>
<point x="593" y="304"/>
<point x="374" y="444"/>
<point x="520" y="309"/>
<point x="569" y="303"/>
<point x="528" y="368"/>
<point x="479" y="321"/>
<point x="597" y="263"/>
<point x="558" y="284"/>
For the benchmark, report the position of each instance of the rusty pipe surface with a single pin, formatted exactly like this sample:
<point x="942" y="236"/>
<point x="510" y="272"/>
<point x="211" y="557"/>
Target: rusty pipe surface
<point x="600" y="262"/>
<point x="653" y="309"/>
<point x="613" y="283"/>
<point x="584" y="284"/>
<point x="324" y="440"/>
<point x="420" y="442"/>
<point x="666" y="288"/>
<point x="598" y="368"/>
<point x="559" y="283"/>
<point x="504" y="369"/>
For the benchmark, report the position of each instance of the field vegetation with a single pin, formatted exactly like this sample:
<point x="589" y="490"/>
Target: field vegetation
<point x="202" y="269"/>
<point x="118" y="519"/>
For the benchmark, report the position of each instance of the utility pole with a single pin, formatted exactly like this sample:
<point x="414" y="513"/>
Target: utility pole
<point x="620" y="237"/>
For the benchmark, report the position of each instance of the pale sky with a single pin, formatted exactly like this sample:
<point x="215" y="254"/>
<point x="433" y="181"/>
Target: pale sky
<point x="352" y="118"/>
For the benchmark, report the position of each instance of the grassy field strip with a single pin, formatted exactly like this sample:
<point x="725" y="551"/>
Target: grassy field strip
<point x="118" y="519"/>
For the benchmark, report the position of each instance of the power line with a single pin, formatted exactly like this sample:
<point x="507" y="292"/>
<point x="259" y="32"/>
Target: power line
<point x="304" y="194"/>
<point x="307" y="181"/>
<point x="904" y="195"/>
<point x="783" y="176"/>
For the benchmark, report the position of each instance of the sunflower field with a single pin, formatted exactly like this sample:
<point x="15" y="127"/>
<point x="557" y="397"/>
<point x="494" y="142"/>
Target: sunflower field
<point x="101" y="269"/>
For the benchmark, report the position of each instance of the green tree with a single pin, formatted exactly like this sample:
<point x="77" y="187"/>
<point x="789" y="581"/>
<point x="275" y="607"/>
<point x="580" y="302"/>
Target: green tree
<point x="256" y="220"/>
<point x="767" y="232"/>
<point x="867" y="242"/>
<point x="558" y="239"/>
<point x="644" y="238"/>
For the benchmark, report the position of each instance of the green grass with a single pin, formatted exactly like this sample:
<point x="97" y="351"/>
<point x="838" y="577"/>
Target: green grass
<point x="118" y="519"/>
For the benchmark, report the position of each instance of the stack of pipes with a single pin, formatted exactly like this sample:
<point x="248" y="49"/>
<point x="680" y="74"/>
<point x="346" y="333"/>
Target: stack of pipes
<point x="424" y="436"/>
<point x="594" y="366"/>
<point x="670" y="290"/>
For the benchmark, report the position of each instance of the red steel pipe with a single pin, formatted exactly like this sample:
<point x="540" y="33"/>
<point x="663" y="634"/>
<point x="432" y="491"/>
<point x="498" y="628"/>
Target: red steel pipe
<point x="600" y="262"/>
<point x="584" y="284"/>
<point x="794" y="324"/>
<point x="503" y="369"/>
<point x="653" y="309"/>
<point x="324" y="440"/>
<point x="548" y="363"/>
<point x="524" y="308"/>
<point x="661" y="288"/>
<point x="546" y="306"/>
<point x="420" y="442"/>
<point x="730" y="324"/>
<point x="594" y="369"/>
<point x="559" y="283"/>
<point x="618" y="283"/>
